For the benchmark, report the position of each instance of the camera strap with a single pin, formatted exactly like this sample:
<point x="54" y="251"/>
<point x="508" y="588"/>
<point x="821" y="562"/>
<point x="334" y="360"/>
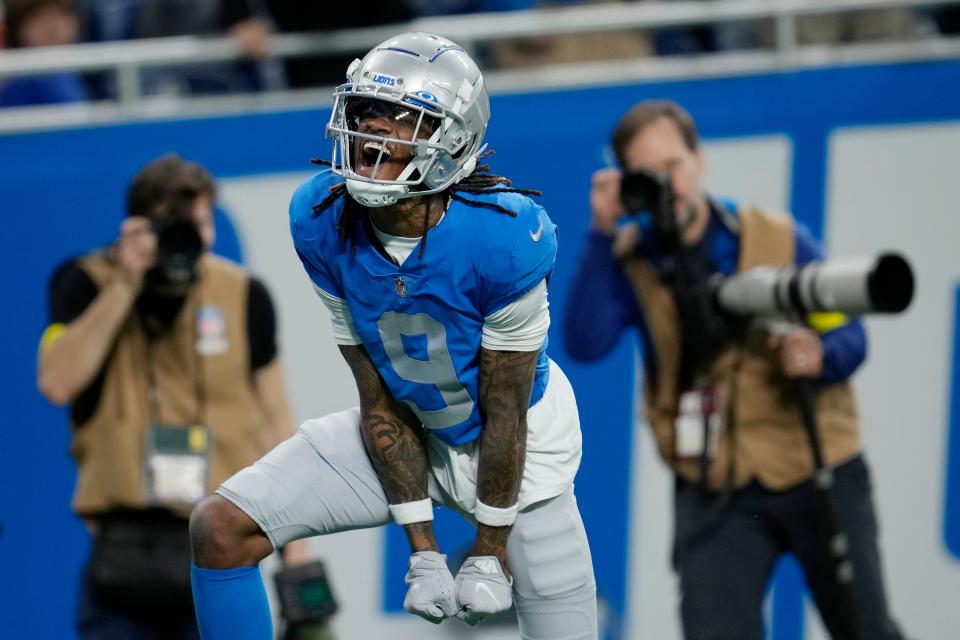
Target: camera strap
<point x="706" y="329"/>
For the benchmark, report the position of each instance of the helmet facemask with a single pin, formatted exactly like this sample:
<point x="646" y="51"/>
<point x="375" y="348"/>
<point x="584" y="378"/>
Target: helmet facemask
<point x="390" y="147"/>
<point x="382" y="139"/>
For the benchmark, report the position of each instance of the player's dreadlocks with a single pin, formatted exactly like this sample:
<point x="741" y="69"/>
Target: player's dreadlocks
<point x="479" y="182"/>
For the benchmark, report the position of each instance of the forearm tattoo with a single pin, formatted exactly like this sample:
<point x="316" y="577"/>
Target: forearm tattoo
<point x="506" y="381"/>
<point x="390" y="433"/>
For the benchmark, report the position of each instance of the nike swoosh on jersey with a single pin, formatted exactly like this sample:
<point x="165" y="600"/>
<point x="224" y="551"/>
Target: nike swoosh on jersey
<point x="536" y="236"/>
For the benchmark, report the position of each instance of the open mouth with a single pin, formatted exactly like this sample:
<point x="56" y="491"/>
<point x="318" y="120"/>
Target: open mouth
<point x="371" y="152"/>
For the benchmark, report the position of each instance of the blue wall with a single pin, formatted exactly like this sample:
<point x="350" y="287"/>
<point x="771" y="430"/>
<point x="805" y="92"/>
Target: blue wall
<point x="63" y="193"/>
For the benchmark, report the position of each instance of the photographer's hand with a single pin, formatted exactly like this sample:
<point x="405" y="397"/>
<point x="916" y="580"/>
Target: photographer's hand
<point x="800" y="351"/>
<point x="69" y="362"/>
<point x="605" y="205"/>
<point x="136" y="250"/>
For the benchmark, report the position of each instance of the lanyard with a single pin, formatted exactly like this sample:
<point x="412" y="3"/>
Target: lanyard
<point x="199" y="386"/>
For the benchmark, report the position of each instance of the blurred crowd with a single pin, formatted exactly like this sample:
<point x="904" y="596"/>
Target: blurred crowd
<point x="252" y="23"/>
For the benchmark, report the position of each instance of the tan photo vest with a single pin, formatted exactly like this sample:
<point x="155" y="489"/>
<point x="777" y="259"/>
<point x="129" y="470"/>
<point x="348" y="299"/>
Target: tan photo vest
<point x="764" y="437"/>
<point x="109" y="447"/>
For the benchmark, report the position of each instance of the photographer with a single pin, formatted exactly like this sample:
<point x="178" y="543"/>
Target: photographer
<point x="717" y="389"/>
<point x="166" y="355"/>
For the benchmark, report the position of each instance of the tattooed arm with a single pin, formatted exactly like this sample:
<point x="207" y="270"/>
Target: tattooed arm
<point x="506" y="381"/>
<point x="394" y="442"/>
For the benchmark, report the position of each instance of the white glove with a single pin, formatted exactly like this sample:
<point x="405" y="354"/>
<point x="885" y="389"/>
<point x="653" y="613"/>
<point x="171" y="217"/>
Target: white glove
<point x="482" y="589"/>
<point x="430" y="588"/>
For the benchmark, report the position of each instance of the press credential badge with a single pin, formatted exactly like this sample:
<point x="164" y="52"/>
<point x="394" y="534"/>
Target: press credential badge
<point x="177" y="464"/>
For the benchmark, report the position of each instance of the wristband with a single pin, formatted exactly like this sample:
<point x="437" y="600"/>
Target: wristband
<point x="495" y="516"/>
<point x="410" y="512"/>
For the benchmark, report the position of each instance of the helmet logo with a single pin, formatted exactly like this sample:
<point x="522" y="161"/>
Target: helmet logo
<point x="382" y="78"/>
<point x="400" y="286"/>
<point x="426" y="95"/>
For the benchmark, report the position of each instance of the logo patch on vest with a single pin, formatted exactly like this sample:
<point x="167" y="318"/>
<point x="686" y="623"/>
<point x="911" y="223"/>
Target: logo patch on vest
<point x="211" y="331"/>
<point x="400" y="286"/>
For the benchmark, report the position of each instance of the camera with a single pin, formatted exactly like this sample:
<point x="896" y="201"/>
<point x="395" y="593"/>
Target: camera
<point x="305" y="594"/>
<point x="179" y="247"/>
<point x="853" y="286"/>
<point x="646" y="190"/>
<point x="650" y="192"/>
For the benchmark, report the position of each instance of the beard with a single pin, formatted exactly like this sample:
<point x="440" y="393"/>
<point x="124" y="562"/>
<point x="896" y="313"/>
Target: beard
<point x="686" y="215"/>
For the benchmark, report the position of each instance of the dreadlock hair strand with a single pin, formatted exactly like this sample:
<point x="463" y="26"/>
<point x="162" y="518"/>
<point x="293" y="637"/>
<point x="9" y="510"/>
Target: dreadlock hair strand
<point x="348" y="217"/>
<point x="480" y="182"/>
<point x="336" y="191"/>
<point x="484" y="205"/>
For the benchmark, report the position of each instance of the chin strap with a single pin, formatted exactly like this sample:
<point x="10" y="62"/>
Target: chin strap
<point x="469" y="166"/>
<point x="374" y="195"/>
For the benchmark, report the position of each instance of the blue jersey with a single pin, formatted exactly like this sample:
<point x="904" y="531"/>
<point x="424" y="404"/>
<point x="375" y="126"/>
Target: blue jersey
<point x="421" y="321"/>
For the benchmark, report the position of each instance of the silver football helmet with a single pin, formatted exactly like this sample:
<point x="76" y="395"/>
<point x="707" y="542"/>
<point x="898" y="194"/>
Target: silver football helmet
<point x="431" y="96"/>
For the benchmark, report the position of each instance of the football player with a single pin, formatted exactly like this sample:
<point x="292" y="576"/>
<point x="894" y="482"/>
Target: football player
<point x="459" y="404"/>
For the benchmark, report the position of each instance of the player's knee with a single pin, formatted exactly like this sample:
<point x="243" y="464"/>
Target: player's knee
<point x="567" y="577"/>
<point x="554" y="587"/>
<point x="572" y="616"/>
<point x="550" y="552"/>
<point x="222" y="536"/>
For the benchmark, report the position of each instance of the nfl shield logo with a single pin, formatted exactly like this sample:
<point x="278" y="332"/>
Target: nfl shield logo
<point x="211" y="328"/>
<point x="400" y="287"/>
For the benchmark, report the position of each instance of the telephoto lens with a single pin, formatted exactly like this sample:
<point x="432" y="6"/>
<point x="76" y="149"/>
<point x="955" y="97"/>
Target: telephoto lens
<point x="854" y="286"/>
